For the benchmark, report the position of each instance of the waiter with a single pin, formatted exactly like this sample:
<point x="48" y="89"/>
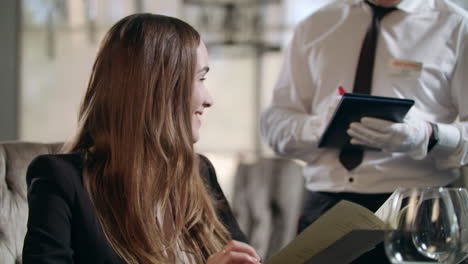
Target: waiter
<point x="414" y="49"/>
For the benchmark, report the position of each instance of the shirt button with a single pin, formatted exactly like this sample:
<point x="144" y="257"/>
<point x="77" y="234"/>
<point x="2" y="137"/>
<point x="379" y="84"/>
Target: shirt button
<point x="351" y="179"/>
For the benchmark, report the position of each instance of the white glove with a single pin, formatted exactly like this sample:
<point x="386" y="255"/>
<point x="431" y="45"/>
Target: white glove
<point x="410" y="137"/>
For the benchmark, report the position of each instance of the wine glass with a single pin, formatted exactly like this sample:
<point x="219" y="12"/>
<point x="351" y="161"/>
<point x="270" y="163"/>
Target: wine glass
<point x="459" y="198"/>
<point x="422" y="227"/>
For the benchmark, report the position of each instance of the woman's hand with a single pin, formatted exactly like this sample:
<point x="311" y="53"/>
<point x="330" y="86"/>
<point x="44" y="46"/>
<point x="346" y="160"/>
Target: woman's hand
<point x="235" y="252"/>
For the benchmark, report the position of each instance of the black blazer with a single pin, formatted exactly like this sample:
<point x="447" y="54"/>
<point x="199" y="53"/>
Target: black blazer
<point x="62" y="226"/>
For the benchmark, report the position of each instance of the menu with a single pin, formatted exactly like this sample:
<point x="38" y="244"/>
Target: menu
<point x="341" y="235"/>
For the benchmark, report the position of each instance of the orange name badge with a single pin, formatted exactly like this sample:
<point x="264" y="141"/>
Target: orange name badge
<point x="405" y="68"/>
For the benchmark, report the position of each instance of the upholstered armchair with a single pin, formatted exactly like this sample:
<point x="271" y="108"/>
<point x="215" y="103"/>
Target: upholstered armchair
<point x="268" y="197"/>
<point x="14" y="160"/>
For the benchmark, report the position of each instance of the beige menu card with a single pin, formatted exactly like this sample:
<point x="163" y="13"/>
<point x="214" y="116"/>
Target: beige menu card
<point x="339" y="236"/>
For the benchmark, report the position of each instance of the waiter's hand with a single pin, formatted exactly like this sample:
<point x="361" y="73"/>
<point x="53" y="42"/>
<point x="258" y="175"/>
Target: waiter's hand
<point x="410" y="137"/>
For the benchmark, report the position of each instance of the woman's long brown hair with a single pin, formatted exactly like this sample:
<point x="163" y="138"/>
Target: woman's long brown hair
<point x="142" y="172"/>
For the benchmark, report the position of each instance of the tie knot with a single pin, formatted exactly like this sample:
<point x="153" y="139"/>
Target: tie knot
<point x="380" y="11"/>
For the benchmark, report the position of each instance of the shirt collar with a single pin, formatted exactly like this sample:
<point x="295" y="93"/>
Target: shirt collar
<point x="409" y="6"/>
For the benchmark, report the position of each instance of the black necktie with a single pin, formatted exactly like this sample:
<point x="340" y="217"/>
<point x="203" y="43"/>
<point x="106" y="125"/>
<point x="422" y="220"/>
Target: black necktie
<point x="351" y="156"/>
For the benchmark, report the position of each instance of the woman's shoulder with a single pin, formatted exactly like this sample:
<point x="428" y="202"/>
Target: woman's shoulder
<point x="206" y="168"/>
<point x="204" y="162"/>
<point x="60" y="169"/>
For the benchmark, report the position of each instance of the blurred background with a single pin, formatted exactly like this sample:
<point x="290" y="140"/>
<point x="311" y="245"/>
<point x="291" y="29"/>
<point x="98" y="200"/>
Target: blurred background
<point x="48" y="47"/>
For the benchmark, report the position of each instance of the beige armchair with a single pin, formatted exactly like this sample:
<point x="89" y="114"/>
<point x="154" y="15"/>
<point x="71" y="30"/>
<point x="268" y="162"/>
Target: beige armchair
<point x="268" y="197"/>
<point x="14" y="160"/>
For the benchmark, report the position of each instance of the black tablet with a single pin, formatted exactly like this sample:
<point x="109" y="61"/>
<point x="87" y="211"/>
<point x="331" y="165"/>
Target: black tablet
<point x="353" y="107"/>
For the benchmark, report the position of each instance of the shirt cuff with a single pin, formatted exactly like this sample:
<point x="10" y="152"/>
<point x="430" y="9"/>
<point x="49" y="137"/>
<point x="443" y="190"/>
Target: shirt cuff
<point x="449" y="138"/>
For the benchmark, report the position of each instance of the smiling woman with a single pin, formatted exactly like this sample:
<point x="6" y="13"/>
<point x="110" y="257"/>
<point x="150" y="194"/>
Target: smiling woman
<point x="130" y="187"/>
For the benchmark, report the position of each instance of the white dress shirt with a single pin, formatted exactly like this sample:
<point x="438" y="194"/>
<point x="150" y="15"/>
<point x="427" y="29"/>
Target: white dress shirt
<point x="422" y="54"/>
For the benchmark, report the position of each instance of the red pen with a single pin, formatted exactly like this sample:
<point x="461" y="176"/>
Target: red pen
<point x="341" y="91"/>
